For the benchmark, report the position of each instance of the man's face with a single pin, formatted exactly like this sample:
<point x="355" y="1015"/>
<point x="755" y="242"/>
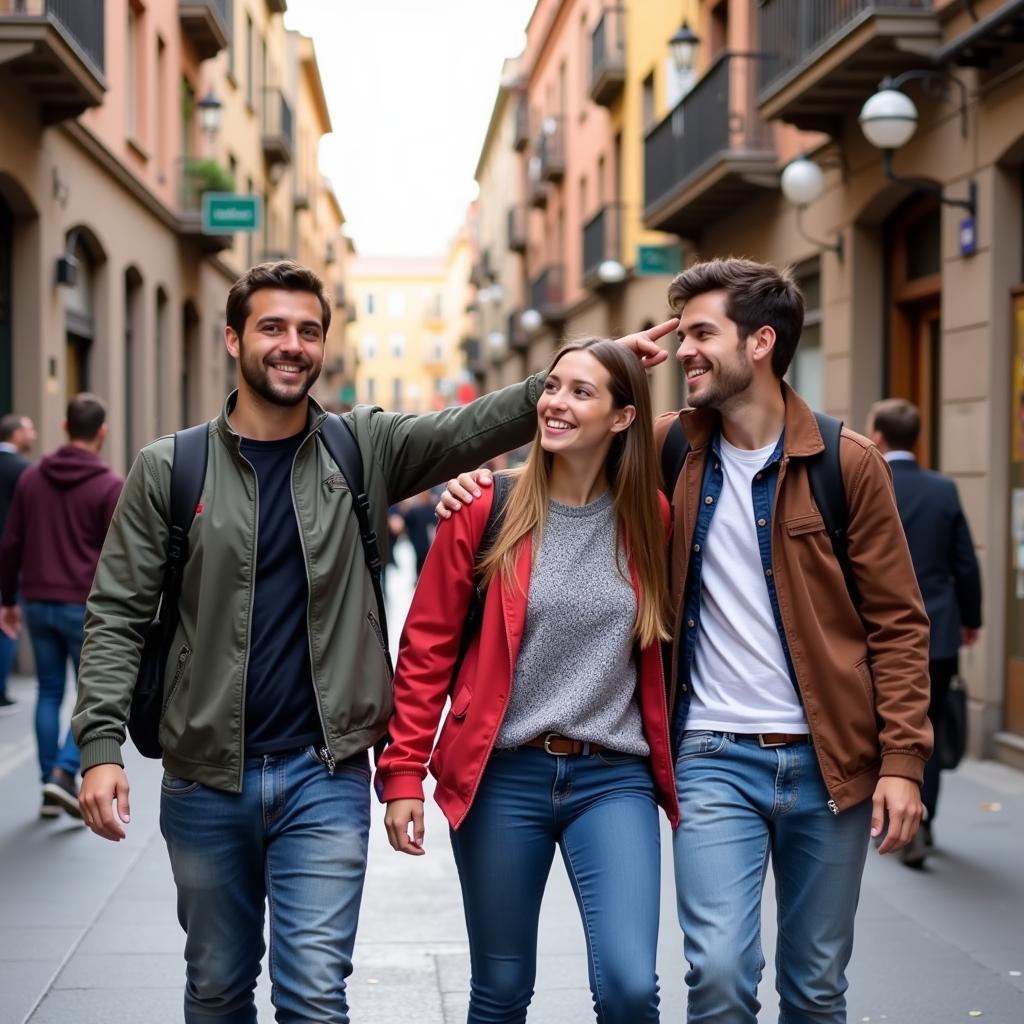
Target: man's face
<point x="714" y="359"/>
<point x="282" y="351"/>
<point x="24" y="438"/>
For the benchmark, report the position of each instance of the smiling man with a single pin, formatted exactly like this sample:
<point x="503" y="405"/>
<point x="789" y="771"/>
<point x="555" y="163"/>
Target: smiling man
<point x="277" y="682"/>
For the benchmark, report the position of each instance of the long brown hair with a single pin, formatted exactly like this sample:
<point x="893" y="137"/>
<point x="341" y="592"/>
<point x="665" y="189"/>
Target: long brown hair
<point x="632" y="469"/>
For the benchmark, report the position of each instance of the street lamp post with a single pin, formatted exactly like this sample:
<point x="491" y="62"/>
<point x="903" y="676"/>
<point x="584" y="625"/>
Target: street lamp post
<point x="802" y="183"/>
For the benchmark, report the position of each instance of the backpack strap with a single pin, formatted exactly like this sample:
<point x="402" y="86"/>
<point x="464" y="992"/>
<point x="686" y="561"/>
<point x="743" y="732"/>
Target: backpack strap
<point x="673" y="454"/>
<point x="502" y="485"/>
<point x="341" y="444"/>
<point x="825" y="474"/>
<point x="188" y="474"/>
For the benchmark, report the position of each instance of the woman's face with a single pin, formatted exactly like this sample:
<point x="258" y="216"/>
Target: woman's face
<point x="575" y="413"/>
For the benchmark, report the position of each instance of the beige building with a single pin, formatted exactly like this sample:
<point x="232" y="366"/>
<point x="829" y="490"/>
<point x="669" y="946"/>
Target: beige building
<point x="107" y="280"/>
<point x="406" y="313"/>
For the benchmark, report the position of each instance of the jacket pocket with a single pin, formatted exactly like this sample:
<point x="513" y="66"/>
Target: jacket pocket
<point x="184" y="657"/>
<point x="812" y="523"/>
<point x="863" y="669"/>
<point x="460" y="703"/>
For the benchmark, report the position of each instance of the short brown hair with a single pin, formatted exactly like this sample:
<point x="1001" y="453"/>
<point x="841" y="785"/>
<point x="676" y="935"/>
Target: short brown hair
<point x="10" y="424"/>
<point x="86" y="414"/>
<point x="758" y="295"/>
<point x="285" y="275"/>
<point x="898" y="421"/>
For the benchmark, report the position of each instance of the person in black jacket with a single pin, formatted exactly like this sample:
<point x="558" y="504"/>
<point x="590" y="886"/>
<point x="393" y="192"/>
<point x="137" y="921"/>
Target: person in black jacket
<point x="17" y="436"/>
<point x="946" y="567"/>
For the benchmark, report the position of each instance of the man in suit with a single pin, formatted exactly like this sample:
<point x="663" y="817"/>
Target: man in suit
<point x="947" y="573"/>
<point x="17" y="437"/>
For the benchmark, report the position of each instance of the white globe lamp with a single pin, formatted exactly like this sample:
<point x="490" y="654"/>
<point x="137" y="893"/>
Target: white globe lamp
<point x="888" y="119"/>
<point x="803" y="181"/>
<point x="531" y="320"/>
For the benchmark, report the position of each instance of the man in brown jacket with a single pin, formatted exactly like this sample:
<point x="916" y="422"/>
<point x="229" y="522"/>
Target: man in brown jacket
<point x="800" y="719"/>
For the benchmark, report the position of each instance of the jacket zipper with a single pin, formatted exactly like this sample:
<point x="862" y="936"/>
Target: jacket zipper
<point x="378" y="632"/>
<point x="784" y="465"/>
<point x="326" y="754"/>
<point x="248" y="623"/>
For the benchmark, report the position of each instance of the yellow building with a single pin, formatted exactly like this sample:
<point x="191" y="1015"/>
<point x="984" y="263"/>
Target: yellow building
<point x="406" y="310"/>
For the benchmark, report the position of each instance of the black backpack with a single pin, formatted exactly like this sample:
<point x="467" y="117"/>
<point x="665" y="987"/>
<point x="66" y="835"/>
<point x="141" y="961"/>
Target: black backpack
<point x="824" y="472"/>
<point x="188" y="475"/>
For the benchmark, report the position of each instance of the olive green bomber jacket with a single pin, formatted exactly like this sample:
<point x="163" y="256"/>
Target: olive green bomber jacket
<point x="202" y="725"/>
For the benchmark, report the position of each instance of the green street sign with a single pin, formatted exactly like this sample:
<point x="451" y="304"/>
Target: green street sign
<point x="224" y="213"/>
<point x="657" y="259"/>
<point x="347" y="395"/>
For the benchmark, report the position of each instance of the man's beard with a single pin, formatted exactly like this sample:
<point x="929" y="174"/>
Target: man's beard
<point x="726" y="383"/>
<point x="257" y="376"/>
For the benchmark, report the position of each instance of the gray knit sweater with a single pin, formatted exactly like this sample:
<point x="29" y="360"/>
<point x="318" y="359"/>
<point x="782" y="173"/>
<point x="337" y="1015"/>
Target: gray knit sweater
<point x="575" y="674"/>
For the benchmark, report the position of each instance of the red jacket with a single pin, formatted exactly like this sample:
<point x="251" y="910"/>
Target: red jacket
<point x="430" y="644"/>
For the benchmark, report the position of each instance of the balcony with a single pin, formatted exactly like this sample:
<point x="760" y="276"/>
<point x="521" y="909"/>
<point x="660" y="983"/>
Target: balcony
<point x="712" y="154"/>
<point x="602" y="240"/>
<point x="207" y="23"/>
<point x="825" y="57"/>
<point x="536" y="189"/>
<point x="547" y="294"/>
<point x="551" y="150"/>
<point x="608" y="57"/>
<point x="514" y="333"/>
<point x="194" y="178"/>
<point x="472" y="355"/>
<point x="277" y="130"/>
<point x="516" y="233"/>
<point x="54" y="48"/>
<point x="521" y="128"/>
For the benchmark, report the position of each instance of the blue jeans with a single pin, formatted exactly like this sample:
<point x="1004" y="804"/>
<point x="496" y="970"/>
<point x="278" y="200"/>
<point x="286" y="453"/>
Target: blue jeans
<point x="8" y="648"/>
<point x="294" y="838"/>
<point x="741" y="803"/>
<point x="600" y="809"/>
<point x="55" y="629"/>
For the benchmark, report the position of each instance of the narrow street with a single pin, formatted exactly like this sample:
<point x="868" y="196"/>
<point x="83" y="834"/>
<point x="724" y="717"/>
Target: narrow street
<point x="89" y="932"/>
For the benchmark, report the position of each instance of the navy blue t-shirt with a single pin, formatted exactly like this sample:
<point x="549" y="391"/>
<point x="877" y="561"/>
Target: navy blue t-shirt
<point x="280" y="703"/>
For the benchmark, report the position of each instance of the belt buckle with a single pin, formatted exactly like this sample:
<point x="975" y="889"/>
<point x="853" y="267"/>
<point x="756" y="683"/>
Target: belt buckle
<point x="547" y="745"/>
<point x="769" y="746"/>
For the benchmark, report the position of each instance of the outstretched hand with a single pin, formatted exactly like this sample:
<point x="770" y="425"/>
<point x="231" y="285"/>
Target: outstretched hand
<point x="645" y="343"/>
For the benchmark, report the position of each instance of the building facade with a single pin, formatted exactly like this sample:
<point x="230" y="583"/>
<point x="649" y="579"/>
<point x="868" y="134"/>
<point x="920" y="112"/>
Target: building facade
<point x="107" y="280"/>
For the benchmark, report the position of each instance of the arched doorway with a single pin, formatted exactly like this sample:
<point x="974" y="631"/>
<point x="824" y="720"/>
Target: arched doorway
<point x="80" y="315"/>
<point x="190" y="368"/>
<point x="133" y="356"/>
<point x="6" y="304"/>
<point x="913" y="246"/>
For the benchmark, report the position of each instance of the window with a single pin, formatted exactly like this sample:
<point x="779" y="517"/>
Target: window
<point x="396" y="302"/>
<point x="600" y="181"/>
<point x="807" y="371"/>
<point x="370" y="346"/>
<point x="250" y="68"/>
<point x="648" y="102"/>
<point x="396" y="394"/>
<point x="132" y="68"/>
<point x="371" y="391"/>
<point x="161" y="109"/>
<point x="397" y="346"/>
<point x="370" y="303"/>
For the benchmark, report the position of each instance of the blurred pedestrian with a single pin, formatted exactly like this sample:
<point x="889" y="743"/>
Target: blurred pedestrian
<point x="947" y="572"/>
<point x="558" y="734"/>
<point x="279" y="677"/>
<point x="418" y="520"/>
<point x="52" y="540"/>
<point x="17" y="438"/>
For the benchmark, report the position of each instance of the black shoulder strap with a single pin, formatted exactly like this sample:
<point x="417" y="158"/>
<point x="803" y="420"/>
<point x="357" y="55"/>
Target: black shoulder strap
<point x="825" y="473"/>
<point x="673" y="455"/>
<point x="502" y="484"/>
<point x="188" y="474"/>
<point x="341" y="443"/>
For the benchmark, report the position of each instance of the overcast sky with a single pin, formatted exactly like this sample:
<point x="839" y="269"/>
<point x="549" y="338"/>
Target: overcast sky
<point x="410" y="85"/>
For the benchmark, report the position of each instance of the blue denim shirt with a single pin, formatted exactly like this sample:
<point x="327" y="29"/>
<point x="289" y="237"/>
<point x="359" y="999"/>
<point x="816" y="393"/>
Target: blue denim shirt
<point x="763" y="493"/>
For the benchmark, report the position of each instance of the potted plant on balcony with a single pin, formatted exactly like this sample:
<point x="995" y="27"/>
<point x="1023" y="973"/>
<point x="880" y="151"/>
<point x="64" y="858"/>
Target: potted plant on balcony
<point x="208" y="176"/>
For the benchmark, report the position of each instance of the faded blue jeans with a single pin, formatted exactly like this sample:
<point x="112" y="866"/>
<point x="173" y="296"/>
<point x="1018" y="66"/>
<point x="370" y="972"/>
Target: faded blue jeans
<point x="741" y="804"/>
<point x="55" y="629"/>
<point x="600" y="810"/>
<point x="294" y="838"/>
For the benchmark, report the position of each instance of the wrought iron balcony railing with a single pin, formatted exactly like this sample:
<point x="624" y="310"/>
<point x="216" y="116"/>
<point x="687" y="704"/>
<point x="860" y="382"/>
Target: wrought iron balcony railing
<point x="608" y="56"/>
<point x="602" y="241"/>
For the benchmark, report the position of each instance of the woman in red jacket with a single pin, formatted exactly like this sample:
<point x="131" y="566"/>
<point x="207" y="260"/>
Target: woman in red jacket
<point x="558" y="729"/>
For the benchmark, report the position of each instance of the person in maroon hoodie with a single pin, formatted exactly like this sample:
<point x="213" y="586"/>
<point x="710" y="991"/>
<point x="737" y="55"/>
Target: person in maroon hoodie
<point x="52" y="539"/>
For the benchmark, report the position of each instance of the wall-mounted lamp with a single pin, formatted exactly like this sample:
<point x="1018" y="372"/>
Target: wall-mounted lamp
<point x="684" y="45"/>
<point x="889" y="120"/>
<point x="210" y="111"/>
<point x="611" y="272"/>
<point x="531" y="320"/>
<point x="803" y="182"/>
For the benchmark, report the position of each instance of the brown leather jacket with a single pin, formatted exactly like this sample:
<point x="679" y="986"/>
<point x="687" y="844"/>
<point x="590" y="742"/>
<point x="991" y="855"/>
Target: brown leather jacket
<point x="865" y="690"/>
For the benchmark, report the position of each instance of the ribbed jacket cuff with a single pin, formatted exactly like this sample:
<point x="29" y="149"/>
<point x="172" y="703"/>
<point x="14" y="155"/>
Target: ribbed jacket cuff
<point x="102" y="750"/>
<point x="401" y="786"/>
<point x="904" y="766"/>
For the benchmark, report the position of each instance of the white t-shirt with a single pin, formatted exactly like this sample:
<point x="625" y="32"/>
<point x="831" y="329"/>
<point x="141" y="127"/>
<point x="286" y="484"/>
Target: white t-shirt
<point x="740" y="678"/>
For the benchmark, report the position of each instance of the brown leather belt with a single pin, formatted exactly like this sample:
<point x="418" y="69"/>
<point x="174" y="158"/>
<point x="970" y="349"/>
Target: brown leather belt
<point x="562" y="746"/>
<point x="776" y="739"/>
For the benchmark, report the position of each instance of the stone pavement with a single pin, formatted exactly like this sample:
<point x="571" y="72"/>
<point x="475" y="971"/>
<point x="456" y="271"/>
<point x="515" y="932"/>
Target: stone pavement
<point x="88" y="932"/>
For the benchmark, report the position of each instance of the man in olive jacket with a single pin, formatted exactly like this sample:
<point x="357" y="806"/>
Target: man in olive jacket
<point x="277" y="683"/>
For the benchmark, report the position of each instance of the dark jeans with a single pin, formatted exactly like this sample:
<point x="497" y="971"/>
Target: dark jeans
<point x="55" y="629"/>
<point x="600" y="810"/>
<point x="942" y="671"/>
